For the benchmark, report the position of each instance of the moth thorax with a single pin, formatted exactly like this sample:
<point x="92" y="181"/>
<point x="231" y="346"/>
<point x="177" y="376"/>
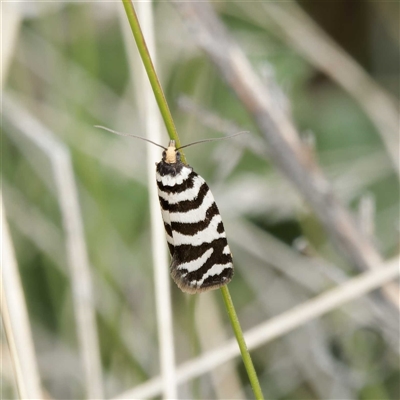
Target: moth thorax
<point x="170" y="156"/>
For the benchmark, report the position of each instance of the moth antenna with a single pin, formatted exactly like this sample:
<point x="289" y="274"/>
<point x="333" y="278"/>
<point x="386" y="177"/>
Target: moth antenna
<point x="125" y="134"/>
<point x="212" y="139"/>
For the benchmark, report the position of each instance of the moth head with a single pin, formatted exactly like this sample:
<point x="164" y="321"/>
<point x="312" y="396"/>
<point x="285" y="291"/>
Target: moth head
<point x="170" y="155"/>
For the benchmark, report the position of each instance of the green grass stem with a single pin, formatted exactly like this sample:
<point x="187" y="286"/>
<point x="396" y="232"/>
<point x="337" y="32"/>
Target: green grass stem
<point x="248" y="363"/>
<point x="151" y="73"/>
<point x="169" y="123"/>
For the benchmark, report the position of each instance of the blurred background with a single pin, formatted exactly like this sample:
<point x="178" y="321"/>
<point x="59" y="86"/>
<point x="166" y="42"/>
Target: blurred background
<point x="66" y="67"/>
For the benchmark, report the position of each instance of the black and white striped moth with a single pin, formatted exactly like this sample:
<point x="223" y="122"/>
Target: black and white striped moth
<point x="201" y="257"/>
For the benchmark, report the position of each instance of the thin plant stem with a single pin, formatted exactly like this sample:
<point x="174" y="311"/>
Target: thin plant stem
<point x="194" y="338"/>
<point x="248" y="363"/>
<point x="151" y="73"/>
<point x="166" y="114"/>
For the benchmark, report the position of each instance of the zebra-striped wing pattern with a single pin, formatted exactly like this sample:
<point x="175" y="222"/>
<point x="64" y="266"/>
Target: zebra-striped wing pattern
<point x="201" y="258"/>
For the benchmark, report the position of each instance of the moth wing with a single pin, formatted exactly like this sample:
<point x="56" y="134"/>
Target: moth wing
<point x="167" y="224"/>
<point x="201" y="259"/>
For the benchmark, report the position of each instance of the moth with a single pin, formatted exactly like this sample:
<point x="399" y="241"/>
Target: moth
<point x="201" y="257"/>
<point x="196" y="238"/>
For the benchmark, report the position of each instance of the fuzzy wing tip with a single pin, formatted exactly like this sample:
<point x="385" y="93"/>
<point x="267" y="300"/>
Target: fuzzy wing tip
<point x="191" y="287"/>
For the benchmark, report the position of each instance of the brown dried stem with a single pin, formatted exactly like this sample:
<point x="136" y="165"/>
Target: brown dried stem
<point x="287" y="151"/>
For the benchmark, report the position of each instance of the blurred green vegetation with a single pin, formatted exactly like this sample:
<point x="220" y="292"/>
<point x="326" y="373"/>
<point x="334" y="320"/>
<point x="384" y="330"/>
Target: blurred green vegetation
<point x="70" y="69"/>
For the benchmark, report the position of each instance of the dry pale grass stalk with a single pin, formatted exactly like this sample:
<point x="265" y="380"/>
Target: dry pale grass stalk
<point x="286" y="149"/>
<point x="75" y="242"/>
<point x="309" y="275"/>
<point x="15" y="319"/>
<point x="317" y="47"/>
<point x="330" y="300"/>
<point x="11" y="20"/>
<point x="36" y="227"/>
<point x="366" y="215"/>
<point x="315" y="362"/>
<point x="277" y="326"/>
<point x="151" y="125"/>
<point x="289" y="22"/>
<point x="226" y="381"/>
